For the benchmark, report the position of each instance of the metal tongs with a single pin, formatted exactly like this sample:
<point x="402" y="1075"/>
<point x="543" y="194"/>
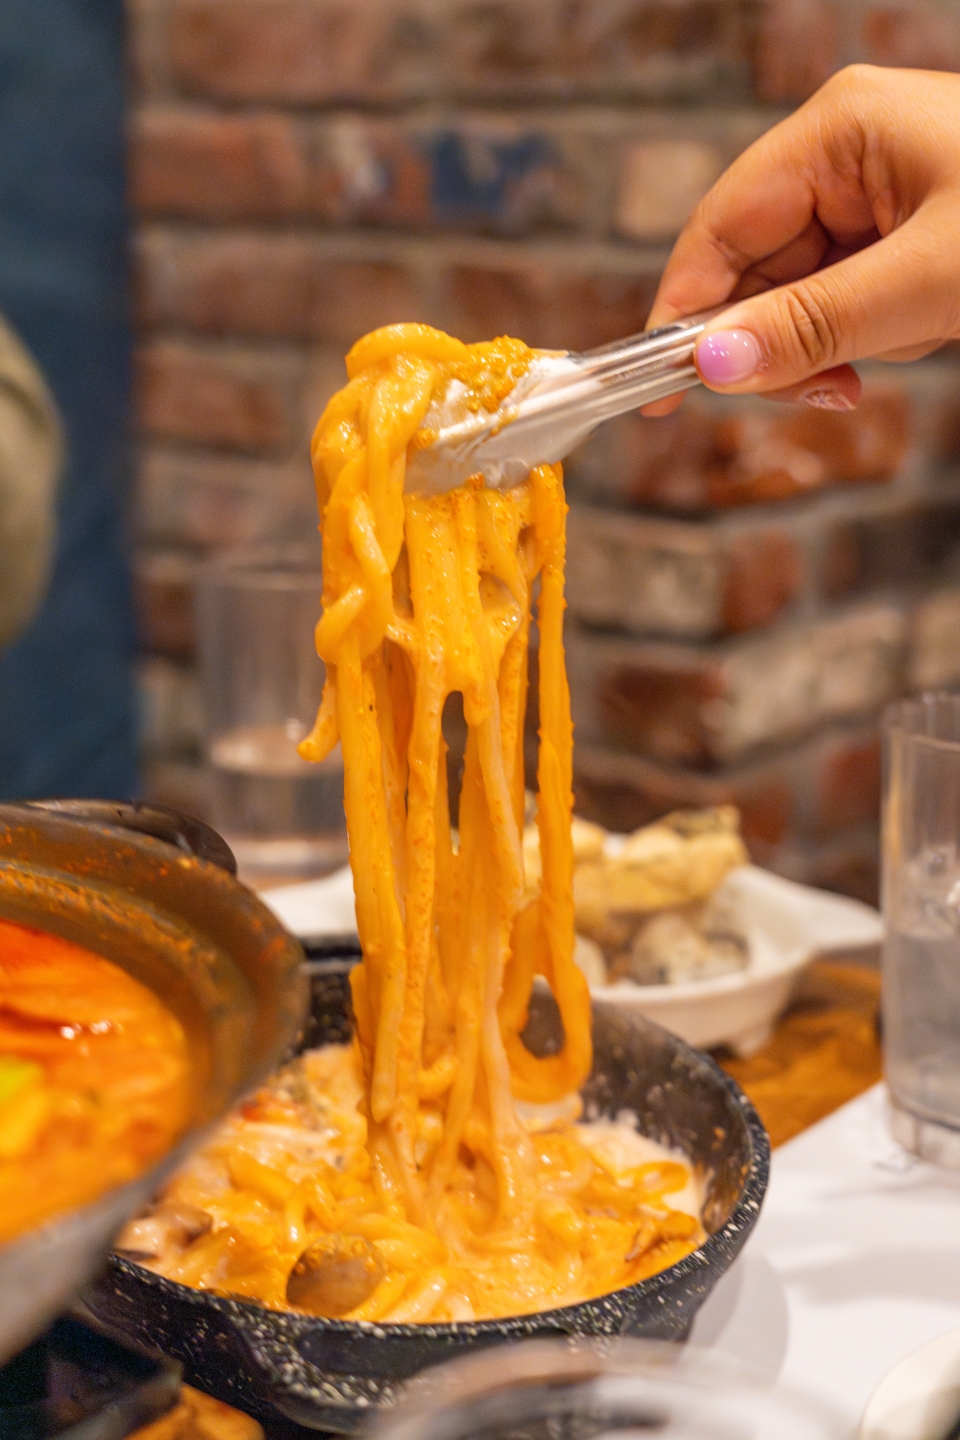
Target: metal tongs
<point x="560" y="400"/>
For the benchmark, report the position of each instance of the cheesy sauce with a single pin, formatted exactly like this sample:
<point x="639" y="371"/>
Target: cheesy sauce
<point x="444" y="1203"/>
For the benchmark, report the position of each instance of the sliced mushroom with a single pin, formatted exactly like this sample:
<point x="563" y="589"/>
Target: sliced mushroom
<point x="672" y="947"/>
<point x="335" y="1275"/>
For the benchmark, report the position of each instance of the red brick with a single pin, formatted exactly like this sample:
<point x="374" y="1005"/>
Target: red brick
<point x="374" y="172"/>
<point x="707" y="457"/>
<point x="659" y="184"/>
<point x="947" y="431"/>
<point x="839" y="567"/>
<point x="284" y="286"/>
<point x="147" y="34"/>
<point x="764" y="572"/>
<point x="208" y="502"/>
<point x="635" y="461"/>
<point x="163" y="599"/>
<point x="504" y="44"/>
<point x="825" y="789"/>
<point x="491" y="174"/>
<point x="753" y="457"/>
<point x="325" y="375"/>
<point x="796" y="48"/>
<point x="691" y="580"/>
<point x="791" y="451"/>
<point x="847" y="784"/>
<point x="225" y="283"/>
<point x="914" y="34"/>
<point x="934" y="662"/>
<point x="642" y="574"/>
<point x="548" y="306"/>
<point x="655" y="700"/>
<point x="623" y="792"/>
<point x="710" y="705"/>
<point x="216" y="397"/>
<point x="350" y="297"/>
<point x="318" y="51"/>
<point x="907" y="543"/>
<point x="218" y="167"/>
<point x="658" y="47"/>
<point x="292" y="51"/>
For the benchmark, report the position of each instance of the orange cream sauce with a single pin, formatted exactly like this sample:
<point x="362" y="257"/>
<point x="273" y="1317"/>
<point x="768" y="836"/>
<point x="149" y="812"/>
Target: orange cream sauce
<point x="94" y="1077"/>
<point x="291" y="1169"/>
<point x="398" y="1180"/>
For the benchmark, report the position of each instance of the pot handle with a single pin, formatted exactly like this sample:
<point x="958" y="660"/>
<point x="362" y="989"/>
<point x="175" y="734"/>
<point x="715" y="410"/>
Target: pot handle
<point x="183" y="832"/>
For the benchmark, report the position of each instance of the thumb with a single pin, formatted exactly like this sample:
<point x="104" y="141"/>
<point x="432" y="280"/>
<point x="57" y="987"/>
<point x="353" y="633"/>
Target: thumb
<point x="902" y="291"/>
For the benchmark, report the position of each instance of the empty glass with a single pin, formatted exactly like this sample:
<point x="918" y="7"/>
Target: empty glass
<point x="262" y="680"/>
<point x="600" y="1390"/>
<point x="921" y="907"/>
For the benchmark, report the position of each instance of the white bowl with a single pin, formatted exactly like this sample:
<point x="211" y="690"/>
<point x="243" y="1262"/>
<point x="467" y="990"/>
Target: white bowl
<point x="786" y="925"/>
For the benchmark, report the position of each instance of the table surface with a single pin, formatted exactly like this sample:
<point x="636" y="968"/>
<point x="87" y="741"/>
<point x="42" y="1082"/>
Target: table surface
<point x="824" y="1052"/>
<point x="855" y="1261"/>
<point x="810" y="1300"/>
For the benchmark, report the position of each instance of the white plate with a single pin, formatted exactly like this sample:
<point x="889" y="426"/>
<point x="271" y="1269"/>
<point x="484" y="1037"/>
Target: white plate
<point x="920" y="1398"/>
<point x="786" y="925"/>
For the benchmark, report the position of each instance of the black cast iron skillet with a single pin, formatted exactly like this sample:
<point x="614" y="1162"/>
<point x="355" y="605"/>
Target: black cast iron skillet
<point x="326" y="1374"/>
<point x="93" y="872"/>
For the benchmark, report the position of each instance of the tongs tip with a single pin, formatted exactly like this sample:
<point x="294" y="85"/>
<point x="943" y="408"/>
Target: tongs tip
<point x="554" y="407"/>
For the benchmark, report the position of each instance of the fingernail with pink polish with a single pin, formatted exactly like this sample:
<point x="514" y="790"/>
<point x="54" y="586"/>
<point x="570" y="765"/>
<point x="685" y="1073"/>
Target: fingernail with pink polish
<point x="727" y="357"/>
<point x="828" y="400"/>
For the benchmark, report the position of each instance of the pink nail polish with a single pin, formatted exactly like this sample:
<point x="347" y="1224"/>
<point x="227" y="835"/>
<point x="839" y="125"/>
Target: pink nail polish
<point x="828" y="400"/>
<point x="727" y="357"/>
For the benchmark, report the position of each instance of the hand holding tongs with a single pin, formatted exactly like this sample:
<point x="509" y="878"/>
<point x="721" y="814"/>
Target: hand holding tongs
<point x="552" y="408"/>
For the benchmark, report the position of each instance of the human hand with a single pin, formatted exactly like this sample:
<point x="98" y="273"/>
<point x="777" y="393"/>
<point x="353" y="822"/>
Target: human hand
<point x="842" y="223"/>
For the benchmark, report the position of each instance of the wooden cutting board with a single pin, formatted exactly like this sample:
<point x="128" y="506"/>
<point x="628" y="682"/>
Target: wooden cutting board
<point x="824" y="1052"/>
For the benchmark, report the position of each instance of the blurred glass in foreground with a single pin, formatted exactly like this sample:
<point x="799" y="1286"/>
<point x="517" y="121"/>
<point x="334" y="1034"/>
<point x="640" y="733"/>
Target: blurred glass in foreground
<point x="617" y="1390"/>
<point x="262" y="681"/>
<point x="921" y="910"/>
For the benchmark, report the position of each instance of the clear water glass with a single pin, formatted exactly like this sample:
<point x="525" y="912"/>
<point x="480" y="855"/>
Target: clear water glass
<point x="601" y="1390"/>
<point x="262" y="681"/>
<point x="921" y="909"/>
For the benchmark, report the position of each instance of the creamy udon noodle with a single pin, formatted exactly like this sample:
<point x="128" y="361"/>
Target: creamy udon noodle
<point x="400" y="1175"/>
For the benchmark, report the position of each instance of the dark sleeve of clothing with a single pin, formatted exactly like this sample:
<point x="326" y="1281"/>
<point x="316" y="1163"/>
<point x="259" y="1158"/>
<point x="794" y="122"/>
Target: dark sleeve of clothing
<point x="66" y="703"/>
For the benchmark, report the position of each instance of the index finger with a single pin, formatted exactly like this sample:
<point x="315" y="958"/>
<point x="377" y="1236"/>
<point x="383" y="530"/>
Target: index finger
<point x="769" y="198"/>
<point x="755" y="209"/>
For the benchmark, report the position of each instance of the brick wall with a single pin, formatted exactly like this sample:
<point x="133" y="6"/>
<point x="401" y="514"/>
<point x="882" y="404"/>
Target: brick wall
<point x="748" y="586"/>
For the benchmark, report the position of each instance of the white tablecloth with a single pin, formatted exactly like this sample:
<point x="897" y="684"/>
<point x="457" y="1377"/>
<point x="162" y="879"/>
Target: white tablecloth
<point x="854" y="1263"/>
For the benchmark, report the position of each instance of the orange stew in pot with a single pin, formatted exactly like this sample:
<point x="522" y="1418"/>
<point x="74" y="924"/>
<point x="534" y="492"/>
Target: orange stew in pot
<point x="94" y="1077"/>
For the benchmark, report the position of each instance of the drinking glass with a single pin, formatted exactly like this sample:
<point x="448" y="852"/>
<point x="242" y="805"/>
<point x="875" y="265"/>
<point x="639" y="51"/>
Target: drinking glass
<point x="921" y="908"/>
<point x="262" y="679"/>
<point x="578" y="1389"/>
